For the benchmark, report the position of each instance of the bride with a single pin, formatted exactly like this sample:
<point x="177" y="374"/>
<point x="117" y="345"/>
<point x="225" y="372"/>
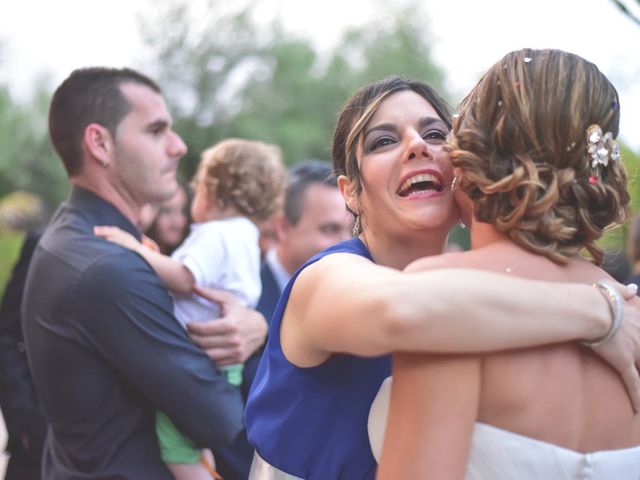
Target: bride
<point x="534" y="151"/>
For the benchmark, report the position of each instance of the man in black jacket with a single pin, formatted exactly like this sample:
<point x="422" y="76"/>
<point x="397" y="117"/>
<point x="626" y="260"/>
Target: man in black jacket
<point x="104" y="347"/>
<point x="23" y="417"/>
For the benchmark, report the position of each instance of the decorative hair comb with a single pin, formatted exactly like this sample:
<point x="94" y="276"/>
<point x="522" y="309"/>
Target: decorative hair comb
<point x="601" y="148"/>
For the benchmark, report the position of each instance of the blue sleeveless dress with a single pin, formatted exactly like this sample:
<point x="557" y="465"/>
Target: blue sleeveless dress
<point x="312" y="422"/>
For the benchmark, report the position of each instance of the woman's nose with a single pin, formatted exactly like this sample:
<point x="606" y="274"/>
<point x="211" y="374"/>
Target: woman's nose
<point x="417" y="147"/>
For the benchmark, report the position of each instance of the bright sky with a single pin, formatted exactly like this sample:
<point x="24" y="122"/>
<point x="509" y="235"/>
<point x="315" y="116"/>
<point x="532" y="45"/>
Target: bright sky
<point x="469" y="35"/>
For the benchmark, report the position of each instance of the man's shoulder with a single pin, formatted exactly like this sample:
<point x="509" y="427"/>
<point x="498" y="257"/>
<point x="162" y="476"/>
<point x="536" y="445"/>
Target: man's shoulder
<point x="117" y="267"/>
<point x="90" y="255"/>
<point x="122" y="285"/>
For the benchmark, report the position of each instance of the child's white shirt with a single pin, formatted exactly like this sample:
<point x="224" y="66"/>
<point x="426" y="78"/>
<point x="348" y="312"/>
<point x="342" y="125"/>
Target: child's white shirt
<point x="222" y="254"/>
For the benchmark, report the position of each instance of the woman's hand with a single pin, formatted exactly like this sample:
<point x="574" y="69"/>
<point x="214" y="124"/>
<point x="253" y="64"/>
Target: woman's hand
<point x="622" y="352"/>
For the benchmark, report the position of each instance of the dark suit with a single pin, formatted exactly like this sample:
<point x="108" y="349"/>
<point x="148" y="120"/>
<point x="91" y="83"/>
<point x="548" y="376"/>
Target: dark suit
<point x="24" y="419"/>
<point x="234" y="461"/>
<point x="270" y="292"/>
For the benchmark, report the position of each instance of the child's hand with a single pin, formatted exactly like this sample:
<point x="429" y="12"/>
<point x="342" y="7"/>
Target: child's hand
<point x="116" y="235"/>
<point x="150" y="243"/>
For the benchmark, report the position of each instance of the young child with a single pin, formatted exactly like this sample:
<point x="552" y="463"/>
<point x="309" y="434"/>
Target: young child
<point x="238" y="184"/>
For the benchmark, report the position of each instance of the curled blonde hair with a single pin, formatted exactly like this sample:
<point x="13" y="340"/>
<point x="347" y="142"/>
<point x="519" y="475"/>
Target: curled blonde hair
<point x="520" y="139"/>
<point x="247" y="175"/>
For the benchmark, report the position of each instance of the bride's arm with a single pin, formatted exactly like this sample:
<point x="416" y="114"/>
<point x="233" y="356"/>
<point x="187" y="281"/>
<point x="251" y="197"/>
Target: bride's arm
<point x="434" y="405"/>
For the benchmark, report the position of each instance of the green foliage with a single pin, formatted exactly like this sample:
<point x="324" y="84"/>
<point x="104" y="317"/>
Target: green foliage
<point x="27" y="160"/>
<point x="616" y="239"/>
<point x="10" y="244"/>
<point x="28" y="164"/>
<point x="228" y="77"/>
<point x="399" y="45"/>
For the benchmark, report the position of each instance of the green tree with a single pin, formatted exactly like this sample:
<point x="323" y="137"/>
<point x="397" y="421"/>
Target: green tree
<point x="198" y="52"/>
<point x="226" y="76"/>
<point x="616" y="239"/>
<point x="27" y="159"/>
<point x="27" y="163"/>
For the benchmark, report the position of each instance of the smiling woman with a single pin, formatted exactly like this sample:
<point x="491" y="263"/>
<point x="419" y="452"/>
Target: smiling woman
<point x="352" y="301"/>
<point x="408" y="192"/>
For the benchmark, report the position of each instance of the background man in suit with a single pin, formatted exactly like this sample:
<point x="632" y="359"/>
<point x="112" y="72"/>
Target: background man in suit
<point x="314" y="217"/>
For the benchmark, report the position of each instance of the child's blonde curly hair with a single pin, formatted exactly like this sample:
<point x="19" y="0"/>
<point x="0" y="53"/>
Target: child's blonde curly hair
<point x="244" y="174"/>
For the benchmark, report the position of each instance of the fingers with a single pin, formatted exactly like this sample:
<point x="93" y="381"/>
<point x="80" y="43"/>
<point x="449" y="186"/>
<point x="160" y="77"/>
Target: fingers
<point x="213" y="328"/>
<point x="104" y="232"/>
<point x="222" y="357"/>
<point x="213" y="295"/>
<point x="629" y="291"/>
<point x="116" y="235"/>
<point x="631" y="380"/>
<point x="150" y="243"/>
<point x="224" y="354"/>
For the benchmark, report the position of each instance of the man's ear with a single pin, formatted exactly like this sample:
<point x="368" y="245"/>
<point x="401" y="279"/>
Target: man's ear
<point x="98" y="142"/>
<point x="281" y="224"/>
<point x="345" y="185"/>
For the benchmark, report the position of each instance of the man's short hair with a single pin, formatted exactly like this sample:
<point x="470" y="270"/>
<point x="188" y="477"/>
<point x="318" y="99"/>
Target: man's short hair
<point x="89" y="95"/>
<point x="301" y="177"/>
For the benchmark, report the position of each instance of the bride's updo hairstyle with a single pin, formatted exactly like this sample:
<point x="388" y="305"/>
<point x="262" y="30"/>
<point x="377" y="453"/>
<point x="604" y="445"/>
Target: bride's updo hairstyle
<point x="535" y="140"/>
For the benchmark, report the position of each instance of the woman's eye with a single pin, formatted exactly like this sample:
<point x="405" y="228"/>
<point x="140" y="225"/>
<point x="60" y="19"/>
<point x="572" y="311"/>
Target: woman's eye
<point x="382" y="142"/>
<point x="435" y="135"/>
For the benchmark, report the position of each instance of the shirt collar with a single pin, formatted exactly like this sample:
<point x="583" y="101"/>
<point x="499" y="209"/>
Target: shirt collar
<point x="279" y="272"/>
<point x="100" y="211"/>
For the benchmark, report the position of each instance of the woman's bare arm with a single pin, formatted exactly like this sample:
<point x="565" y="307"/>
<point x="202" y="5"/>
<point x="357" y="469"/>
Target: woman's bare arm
<point x="433" y="409"/>
<point x="345" y="303"/>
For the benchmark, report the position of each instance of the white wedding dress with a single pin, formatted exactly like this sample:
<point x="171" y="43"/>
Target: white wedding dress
<point x="498" y="454"/>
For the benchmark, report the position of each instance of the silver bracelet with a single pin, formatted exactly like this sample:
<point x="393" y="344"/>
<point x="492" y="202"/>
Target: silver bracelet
<point x="615" y="304"/>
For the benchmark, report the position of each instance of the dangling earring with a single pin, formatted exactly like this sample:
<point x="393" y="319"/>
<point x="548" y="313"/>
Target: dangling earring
<point x="356" y="226"/>
<point x="454" y="183"/>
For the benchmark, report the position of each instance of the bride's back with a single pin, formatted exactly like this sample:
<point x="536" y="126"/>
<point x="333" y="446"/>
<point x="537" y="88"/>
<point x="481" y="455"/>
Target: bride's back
<point x="562" y="394"/>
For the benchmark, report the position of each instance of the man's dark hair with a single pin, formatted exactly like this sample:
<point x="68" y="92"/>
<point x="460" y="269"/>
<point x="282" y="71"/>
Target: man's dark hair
<point x="89" y="95"/>
<point x="300" y="177"/>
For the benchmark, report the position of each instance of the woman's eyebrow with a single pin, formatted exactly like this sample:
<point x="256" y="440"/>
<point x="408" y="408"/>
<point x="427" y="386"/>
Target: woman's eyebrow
<point x="429" y="120"/>
<point x="386" y="127"/>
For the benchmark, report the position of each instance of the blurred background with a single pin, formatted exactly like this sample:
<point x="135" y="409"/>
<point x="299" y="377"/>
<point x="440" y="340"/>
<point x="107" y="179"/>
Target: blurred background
<point x="276" y="70"/>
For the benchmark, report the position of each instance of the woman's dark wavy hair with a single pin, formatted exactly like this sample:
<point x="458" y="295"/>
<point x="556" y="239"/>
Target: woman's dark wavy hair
<point x="520" y="138"/>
